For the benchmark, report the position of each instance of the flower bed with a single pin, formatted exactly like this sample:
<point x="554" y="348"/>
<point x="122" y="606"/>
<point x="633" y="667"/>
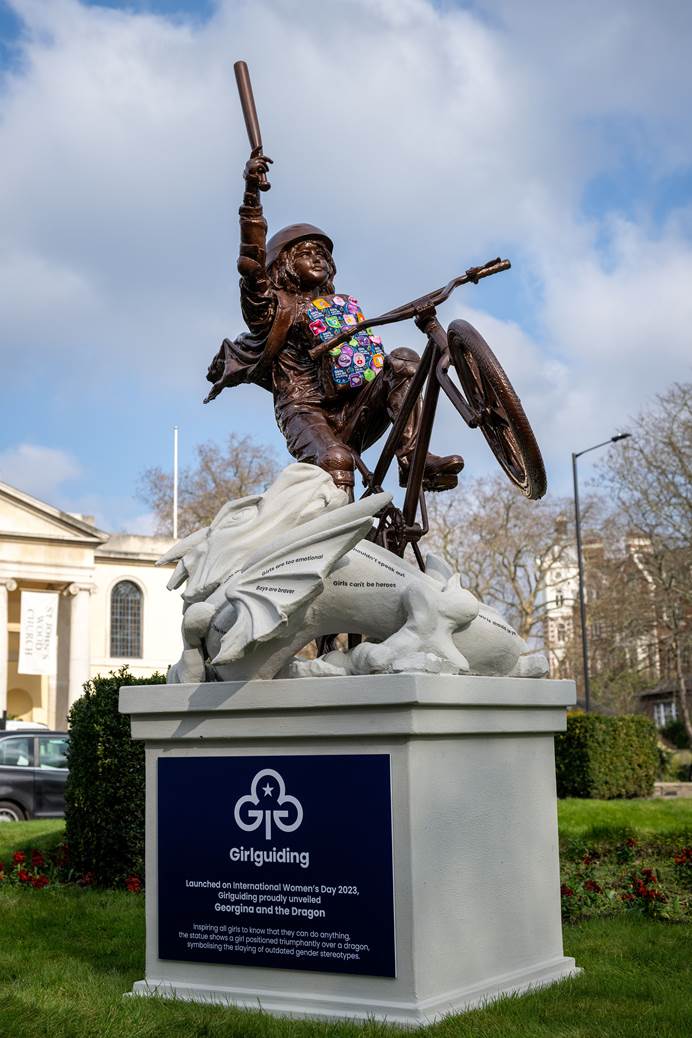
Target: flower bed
<point x="654" y="879"/>
<point x="39" y="869"/>
<point x="603" y="878"/>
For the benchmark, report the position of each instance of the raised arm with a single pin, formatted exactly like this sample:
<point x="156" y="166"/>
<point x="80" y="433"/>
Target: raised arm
<point x="257" y="297"/>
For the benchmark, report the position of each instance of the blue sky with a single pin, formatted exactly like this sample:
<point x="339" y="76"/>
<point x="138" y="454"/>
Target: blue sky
<point x="425" y="137"/>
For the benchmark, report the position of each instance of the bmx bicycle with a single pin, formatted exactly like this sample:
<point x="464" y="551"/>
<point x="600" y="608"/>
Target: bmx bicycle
<point x="483" y="396"/>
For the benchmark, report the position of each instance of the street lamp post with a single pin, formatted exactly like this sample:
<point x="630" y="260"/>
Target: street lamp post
<point x="580" y="564"/>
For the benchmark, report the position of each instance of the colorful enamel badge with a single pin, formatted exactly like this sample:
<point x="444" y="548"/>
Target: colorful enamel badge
<point x="356" y="362"/>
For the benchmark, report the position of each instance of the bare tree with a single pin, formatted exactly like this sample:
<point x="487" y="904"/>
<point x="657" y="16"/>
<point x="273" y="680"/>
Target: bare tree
<point x="623" y="659"/>
<point x="503" y="545"/>
<point x="649" y="479"/>
<point x="237" y="469"/>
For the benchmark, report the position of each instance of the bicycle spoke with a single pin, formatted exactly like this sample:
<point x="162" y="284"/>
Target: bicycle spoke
<point x="498" y="411"/>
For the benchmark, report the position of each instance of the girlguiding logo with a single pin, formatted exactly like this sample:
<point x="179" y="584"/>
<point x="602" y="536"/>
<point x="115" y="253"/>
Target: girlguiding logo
<point x="248" y="818"/>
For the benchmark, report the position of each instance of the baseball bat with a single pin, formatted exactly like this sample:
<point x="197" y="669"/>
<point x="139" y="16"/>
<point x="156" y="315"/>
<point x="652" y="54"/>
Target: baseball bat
<point x="247" y="102"/>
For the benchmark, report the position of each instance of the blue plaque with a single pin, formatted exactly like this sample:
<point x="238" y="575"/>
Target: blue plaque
<point x="280" y="861"/>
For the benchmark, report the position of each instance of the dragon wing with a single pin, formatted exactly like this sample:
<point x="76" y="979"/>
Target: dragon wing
<point x="177" y="553"/>
<point x="281" y="578"/>
<point x="196" y="545"/>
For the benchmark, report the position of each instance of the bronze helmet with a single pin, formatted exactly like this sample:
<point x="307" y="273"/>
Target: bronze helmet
<point x="291" y="234"/>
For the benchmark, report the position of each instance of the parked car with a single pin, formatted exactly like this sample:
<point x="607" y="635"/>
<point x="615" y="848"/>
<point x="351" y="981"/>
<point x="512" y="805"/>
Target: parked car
<point x="33" y="771"/>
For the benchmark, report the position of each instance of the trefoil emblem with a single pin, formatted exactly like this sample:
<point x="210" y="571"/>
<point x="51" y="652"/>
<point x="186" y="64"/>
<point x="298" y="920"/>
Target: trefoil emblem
<point x="269" y="803"/>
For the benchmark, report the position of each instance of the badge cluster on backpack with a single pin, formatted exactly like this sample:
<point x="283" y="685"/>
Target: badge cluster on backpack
<point x="361" y="358"/>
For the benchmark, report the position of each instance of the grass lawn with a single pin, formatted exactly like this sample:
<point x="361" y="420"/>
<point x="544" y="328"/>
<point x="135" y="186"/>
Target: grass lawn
<point x="67" y="955"/>
<point x="43" y="834"/>
<point x="586" y="819"/>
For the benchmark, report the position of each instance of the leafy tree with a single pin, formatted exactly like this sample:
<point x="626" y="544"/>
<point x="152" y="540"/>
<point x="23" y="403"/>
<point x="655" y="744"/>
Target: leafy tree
<point x="221" y="473"/>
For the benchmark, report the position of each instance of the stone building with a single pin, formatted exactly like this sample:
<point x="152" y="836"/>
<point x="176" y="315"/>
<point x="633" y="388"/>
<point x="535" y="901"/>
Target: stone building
<point x="112" y="606"/>
<point x="560" y="610"/>
<point x="626" y="618"/>
<point x="661" y="701"/>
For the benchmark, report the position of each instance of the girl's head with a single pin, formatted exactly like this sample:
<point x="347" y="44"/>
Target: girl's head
<point x="299" y="259"/>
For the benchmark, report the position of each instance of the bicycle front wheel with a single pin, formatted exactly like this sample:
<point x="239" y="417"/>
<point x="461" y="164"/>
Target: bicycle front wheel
<point x="497" y="409"/>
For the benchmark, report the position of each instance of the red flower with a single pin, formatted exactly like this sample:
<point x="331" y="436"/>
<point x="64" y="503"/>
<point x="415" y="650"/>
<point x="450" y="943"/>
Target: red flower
<point x="37" y="859"/>
<point x="18" y="856"/>
<point x="644" y="887"/>
<point x="38" y="882"/>
<point x="87" y="879"/>
<point x="566" y="891"/>
<point x="593" y="886"/>
<point x="588" y="859"/>
<point x="23" y="876"/>
<point x="133" y="884"/>
<point x="630" y="842"/>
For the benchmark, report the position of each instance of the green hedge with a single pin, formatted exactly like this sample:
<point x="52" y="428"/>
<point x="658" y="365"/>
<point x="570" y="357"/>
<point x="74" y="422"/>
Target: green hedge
<point x="676" y="734"/>
<point x="606" y="757"/>
<point x="104" y="795"/>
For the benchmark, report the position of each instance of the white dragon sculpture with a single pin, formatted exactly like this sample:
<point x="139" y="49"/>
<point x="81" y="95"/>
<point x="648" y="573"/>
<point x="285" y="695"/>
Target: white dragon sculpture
<point x="275" y="571"/>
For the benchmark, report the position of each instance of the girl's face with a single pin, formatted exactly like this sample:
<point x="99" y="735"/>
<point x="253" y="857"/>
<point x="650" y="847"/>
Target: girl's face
<point x="311" y="263"/>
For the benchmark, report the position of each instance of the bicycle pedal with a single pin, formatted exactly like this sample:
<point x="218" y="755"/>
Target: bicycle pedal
<point x="441" y="482"/>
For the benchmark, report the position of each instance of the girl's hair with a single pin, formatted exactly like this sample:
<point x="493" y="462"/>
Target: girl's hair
<point x="283" y="272"/>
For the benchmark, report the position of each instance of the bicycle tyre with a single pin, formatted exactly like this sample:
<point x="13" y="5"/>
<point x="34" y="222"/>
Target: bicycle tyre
<point x="500" y="416"/>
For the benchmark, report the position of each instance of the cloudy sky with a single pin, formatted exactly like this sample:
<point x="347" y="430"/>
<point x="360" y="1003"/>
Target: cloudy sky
<point x="424" y="136"/>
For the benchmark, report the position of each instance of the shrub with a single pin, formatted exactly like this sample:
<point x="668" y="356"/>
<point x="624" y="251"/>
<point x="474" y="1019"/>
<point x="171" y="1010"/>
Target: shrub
<point x="104" y="795"/>
<point x="606" y="757"/>
<point x="675" y="733"/>
<point x="667" y="766"/>
<point x="682" y="766"/>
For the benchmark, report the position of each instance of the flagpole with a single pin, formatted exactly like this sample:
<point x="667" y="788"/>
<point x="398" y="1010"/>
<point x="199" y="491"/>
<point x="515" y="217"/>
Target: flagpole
<point x="175" y="482"/>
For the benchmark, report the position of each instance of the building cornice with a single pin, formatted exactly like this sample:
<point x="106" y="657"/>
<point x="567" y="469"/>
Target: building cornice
<point x="76" y="530"/>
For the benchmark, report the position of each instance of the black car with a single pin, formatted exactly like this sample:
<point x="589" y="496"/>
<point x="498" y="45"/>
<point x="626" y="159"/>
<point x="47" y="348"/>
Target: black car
<point x="33" y="771"/>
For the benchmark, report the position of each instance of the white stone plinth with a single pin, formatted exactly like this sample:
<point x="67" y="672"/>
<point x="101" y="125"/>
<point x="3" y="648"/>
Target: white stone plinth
<point x="476" y="869"/>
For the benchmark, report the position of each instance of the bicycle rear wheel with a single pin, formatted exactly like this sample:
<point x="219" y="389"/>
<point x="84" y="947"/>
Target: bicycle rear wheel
<point x="497" y="409"/>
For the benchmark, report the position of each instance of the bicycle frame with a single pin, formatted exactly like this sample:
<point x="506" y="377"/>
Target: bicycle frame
<point x="432" y="369"/>
<point x="428" y="370"/>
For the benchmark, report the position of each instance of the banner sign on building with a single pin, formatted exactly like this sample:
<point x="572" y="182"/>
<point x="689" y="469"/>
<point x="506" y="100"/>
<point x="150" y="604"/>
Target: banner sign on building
<point x="280" y="861"/>
<point x="38" y="633"/>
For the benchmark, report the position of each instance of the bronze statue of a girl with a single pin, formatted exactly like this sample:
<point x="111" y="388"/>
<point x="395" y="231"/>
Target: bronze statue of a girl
<point x="343" y="401"/>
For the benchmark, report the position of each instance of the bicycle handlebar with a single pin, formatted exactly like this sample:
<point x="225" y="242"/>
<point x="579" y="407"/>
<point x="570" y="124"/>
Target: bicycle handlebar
<point x="416" y="308"/>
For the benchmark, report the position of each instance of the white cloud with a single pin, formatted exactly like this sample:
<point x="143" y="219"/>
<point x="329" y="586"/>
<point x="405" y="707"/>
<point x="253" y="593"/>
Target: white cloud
<point x="37" y="470"/>
<point x="423" y="138"/>
<point x="50" y="474"/>
<point x="144" y="523"/>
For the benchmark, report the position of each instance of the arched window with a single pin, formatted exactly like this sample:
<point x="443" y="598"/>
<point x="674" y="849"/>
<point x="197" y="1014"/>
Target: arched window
<point x="126" y="620"/>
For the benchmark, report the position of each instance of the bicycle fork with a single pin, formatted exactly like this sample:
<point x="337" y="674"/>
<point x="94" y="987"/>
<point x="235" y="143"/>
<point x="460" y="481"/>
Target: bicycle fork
<point x="411" y="531"/>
